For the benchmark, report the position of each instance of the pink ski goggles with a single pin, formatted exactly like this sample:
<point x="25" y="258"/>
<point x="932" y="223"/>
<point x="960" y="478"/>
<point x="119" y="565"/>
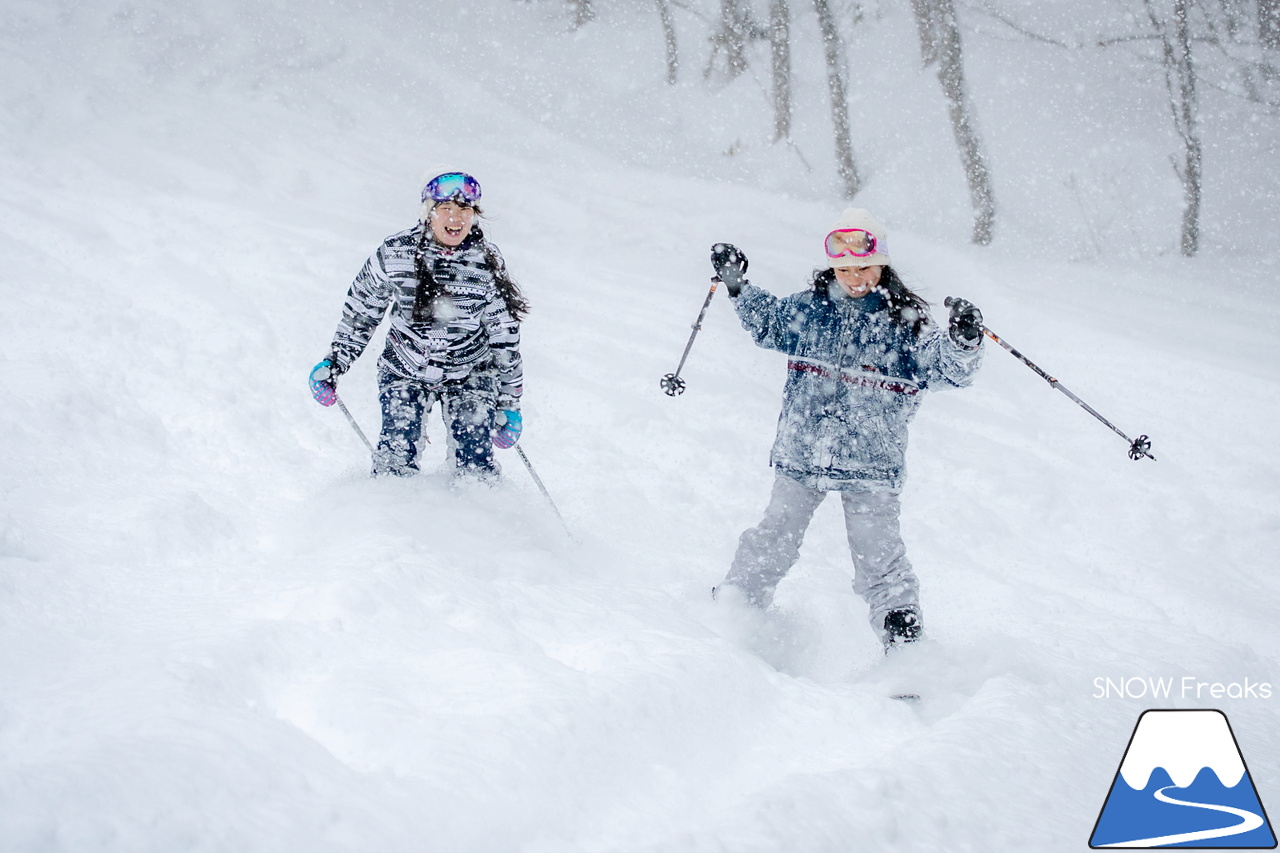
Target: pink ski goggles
<point x="857" y="242"/>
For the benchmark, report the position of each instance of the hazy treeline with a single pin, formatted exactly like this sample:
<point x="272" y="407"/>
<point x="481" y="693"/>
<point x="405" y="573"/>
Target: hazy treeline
<point x="1202" y="49"/>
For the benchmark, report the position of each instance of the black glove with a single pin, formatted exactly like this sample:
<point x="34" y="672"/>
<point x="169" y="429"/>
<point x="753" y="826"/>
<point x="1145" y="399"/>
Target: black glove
<point x="965" y="323"/>
<point x="731" y="266"/>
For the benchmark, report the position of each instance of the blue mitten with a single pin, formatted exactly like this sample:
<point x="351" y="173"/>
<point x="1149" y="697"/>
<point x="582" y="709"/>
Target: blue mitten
<point x="508" y="424"/>
<point x="324" y="382"/>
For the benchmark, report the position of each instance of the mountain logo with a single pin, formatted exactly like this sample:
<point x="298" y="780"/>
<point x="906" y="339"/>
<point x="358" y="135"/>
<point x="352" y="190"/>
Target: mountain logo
<point x="1183" y="783"/>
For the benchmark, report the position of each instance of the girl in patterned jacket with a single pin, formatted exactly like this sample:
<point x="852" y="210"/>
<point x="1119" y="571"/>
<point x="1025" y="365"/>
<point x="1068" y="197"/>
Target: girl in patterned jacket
<point x="861" y="353"/>
<point x="454" y="335"/>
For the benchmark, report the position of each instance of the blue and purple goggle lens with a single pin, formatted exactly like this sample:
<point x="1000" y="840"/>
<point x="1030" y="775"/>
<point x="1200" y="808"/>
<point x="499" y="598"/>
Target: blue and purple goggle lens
<point x="451" y="185"/>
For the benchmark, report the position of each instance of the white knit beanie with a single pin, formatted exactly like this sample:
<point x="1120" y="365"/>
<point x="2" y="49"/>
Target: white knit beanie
<point x="857" y="217"/>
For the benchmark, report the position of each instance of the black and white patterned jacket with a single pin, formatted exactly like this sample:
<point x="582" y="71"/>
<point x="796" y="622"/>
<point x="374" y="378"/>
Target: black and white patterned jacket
<point x="468" y="329"/>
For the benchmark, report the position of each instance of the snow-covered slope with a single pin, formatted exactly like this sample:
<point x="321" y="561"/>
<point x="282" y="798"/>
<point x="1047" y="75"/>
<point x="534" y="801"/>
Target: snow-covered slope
<point x="216" y="633"/>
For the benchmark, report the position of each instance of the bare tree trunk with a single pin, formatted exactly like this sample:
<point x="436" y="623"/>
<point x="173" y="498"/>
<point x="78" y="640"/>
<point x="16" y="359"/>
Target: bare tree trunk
<point x="583" y="13"/>
<point x="839" y="101"/>
<point x="1269" y="23"/>
<point x="669" y="36"/>
<point x="1235" y="17"/>
<point x="732" y="36"/>
<point x="1180" y="79"/>
<point x="1183" y="86"/>
<point x="927" y="26"/>
<point x="780" y="52"/>
<point x="940" y="41"/>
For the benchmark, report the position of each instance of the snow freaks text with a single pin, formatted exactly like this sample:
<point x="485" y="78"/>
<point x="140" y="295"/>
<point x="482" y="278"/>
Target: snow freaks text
<point x="1186" y="687"/>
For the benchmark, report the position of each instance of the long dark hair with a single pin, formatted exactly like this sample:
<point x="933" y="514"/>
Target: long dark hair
<point x="904" y="305"/>
<point x="429" y="290"/>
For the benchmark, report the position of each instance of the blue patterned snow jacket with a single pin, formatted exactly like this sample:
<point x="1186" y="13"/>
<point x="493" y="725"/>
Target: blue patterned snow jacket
<point x="854" y="380"/>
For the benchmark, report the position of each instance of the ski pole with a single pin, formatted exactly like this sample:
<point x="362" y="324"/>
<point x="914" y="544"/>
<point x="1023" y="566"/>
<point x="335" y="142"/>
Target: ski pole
<point x="537" y="481"/>
<point x="672" y="383"/>
<point x="1138" y="447"/>
<point x="355" y="426"/>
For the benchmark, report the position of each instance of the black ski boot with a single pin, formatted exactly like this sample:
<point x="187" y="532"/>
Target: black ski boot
<point x="901" y="627"/>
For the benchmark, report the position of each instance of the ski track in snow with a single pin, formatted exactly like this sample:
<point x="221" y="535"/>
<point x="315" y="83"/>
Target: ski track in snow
<point x="217" y="633"/>
<point x="1248" y="822"/>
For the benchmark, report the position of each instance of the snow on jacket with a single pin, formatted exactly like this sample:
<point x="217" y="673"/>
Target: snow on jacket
<point x="855" y="378"/>
<point x="471" y="331"/>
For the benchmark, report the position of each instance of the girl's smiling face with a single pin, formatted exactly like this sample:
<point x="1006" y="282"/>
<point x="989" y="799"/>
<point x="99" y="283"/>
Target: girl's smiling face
<point x="858" y="281"/>
<point x="451" y="222"/>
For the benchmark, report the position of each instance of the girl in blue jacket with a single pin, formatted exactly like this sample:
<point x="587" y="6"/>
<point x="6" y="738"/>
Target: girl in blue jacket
<point x="861" y="351"/>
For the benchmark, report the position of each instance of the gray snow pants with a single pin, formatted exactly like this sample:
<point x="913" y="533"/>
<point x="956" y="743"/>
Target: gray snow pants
<point x="882" y="575"/>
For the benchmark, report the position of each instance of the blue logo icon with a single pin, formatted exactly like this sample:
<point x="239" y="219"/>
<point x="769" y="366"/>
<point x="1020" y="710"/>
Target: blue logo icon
<point x="1183" y="783"/>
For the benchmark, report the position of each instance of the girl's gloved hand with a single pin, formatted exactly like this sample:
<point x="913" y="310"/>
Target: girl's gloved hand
<point x="507" y="426"/>
<point x="324" y="382"/>
<point x="730" y="265"/>
<point x="965" y="323"/>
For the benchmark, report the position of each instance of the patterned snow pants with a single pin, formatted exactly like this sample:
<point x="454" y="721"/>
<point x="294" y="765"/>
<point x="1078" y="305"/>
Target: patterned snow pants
<point x="882" y="575"/>
<point x="468" y="408"/>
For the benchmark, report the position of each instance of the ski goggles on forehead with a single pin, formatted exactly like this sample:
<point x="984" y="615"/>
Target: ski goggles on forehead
<point x="857" y="242"/>
<point x="451" y="185"/>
